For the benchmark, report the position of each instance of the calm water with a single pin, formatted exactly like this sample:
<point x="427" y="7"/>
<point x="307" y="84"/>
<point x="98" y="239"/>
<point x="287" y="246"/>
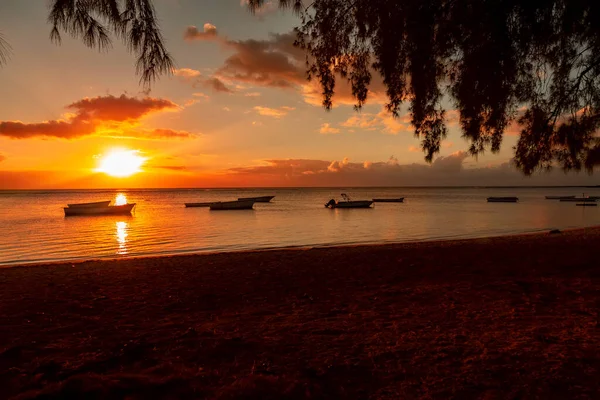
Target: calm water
<point x="33" y="227"/>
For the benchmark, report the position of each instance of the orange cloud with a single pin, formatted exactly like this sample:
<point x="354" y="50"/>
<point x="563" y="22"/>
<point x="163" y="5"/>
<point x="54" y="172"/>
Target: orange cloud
<point x="273" y="112"/>
<point x="414" y="149"/>
<point x="383" y="121"/>
<point x="92" y="116"/>
<point x="2" y="158"/>
<point x="187" y="73"/>
<point x="123" y="108"/>
<point x="328" y="129"/>
<point x="193" y="33"/>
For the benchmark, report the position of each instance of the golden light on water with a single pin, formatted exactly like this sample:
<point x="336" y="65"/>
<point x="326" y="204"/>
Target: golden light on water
<point x="121" y="163"/>
<point x="122" y="237"/>
<point x="120" y="199"/>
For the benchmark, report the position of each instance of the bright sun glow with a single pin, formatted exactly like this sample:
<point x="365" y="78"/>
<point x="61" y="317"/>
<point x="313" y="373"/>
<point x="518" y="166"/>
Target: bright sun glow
<point x="121" y="163"/>
<point x="120" y="199"/>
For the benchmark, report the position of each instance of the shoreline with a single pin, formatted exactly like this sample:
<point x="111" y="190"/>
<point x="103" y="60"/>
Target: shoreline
<point x="502" y="317"/>
<point x="196" y="253"/>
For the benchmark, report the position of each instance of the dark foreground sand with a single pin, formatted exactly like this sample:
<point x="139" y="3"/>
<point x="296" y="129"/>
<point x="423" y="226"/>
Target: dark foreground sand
<point x="513" y="317"/>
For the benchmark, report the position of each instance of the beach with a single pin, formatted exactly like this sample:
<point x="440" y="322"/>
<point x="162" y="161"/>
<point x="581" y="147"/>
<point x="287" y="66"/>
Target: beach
<point x="504" y="317"/>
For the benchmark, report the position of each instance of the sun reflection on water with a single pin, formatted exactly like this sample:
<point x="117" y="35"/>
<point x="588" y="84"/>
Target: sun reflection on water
<point x="122" y="237"/>
<point x="120" y="199"/>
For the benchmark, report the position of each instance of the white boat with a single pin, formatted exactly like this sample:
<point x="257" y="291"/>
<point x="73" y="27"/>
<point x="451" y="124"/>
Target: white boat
<point x="260" y="199"/>
<point x="232" y="205"/>
<point x="94" y="204"/>
<point x="101" y="210"/>
<point x="347" y="203"/>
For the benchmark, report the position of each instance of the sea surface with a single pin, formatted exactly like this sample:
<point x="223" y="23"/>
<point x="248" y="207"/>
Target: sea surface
<point x="33" y="228"/>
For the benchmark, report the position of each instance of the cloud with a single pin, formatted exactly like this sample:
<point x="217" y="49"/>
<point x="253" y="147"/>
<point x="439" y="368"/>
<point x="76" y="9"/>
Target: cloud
<point x="274" y="62"/>
<point x="171" y="167"/>
<point x="444" y="171"/>
<point x="382" y="121"/>
<point x="2" y="158"/>
<point x="193" y="33"/>
<point x="273" y="112"/>
<point x="91" y="116"/>
<point x="169" y="134"/>
<point x="414" y="149"/>
<point x="451" y="163"/>
<point x="198" y="97"/>
<point x="277" y="63"/>
<point x="328" y="129"/>
<point x="291" y="167"/>
<point x="226" y="109"/>
<point x="313" y="92"/>
<point x="270" y="63"/>
<point x="252" y="94"/>
<point x="58" y="129"/>
<point x="217" y="85"/>
<point x="123" y="108"/>
<point x="187" y="73"/>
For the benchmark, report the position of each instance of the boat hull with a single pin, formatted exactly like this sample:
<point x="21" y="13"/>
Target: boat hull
<point x="233" y="205"/>
<point x="353" y="204"/>
<point x="90" y="205"/>
<point x="575" y="199"/>
<point x="398" y="200"/>
<point x="559" y="197"/>
<point x="261" y="199"/>
<point x="124" y="209"/>
<point x="502" y="199"/>
<point x="199" y="204"/>
<point x="589" y="204"/>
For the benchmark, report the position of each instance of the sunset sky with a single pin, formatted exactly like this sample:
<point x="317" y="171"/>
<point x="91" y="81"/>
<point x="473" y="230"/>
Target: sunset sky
<point x="237" y="112"/>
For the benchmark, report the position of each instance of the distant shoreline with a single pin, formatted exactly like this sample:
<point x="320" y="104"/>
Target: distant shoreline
<point x="492" y="317"/>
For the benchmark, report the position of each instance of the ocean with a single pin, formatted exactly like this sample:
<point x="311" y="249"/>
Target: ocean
<point x="34" y="229"/>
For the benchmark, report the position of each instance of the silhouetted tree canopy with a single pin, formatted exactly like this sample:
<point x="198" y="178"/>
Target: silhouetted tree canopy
<point x="133" y="21"/>
<point x="4" y="50"/>
<point x="536" y="62"/>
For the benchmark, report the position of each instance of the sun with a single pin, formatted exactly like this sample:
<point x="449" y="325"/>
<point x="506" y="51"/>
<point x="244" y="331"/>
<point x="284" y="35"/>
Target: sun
<point x="121" y="163"/>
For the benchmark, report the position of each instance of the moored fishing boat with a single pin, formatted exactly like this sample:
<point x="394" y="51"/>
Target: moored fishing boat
<point x="93" y="204"/>
<point x="502" y="199"/>
<point x="580" y="199"/>
<point x="232" y="205"/>
<point x="123" y="209"/>
<point x="348" y="203"/>
<point x="206" y="204"/>
<point x="559" y="197"/>
<point x="260" y="199"/>
<point x="587" y="204"/>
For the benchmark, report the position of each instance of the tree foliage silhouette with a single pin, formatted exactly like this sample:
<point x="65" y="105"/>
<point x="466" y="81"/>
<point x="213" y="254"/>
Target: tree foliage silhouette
<point x="133" y="21"/>
<point x="534" y="62"/>
<point x="5" y="50"/>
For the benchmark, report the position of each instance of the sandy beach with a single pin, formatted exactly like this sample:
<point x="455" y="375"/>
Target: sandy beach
<point x="508" y="317"/>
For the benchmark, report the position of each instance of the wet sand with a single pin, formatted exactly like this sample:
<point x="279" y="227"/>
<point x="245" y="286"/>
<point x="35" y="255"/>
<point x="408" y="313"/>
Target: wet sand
<point x="509" y="317"/>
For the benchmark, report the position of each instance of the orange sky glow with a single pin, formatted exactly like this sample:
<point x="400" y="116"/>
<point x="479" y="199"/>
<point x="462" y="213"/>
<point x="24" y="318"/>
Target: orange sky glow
<point x="237" y="111"/>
